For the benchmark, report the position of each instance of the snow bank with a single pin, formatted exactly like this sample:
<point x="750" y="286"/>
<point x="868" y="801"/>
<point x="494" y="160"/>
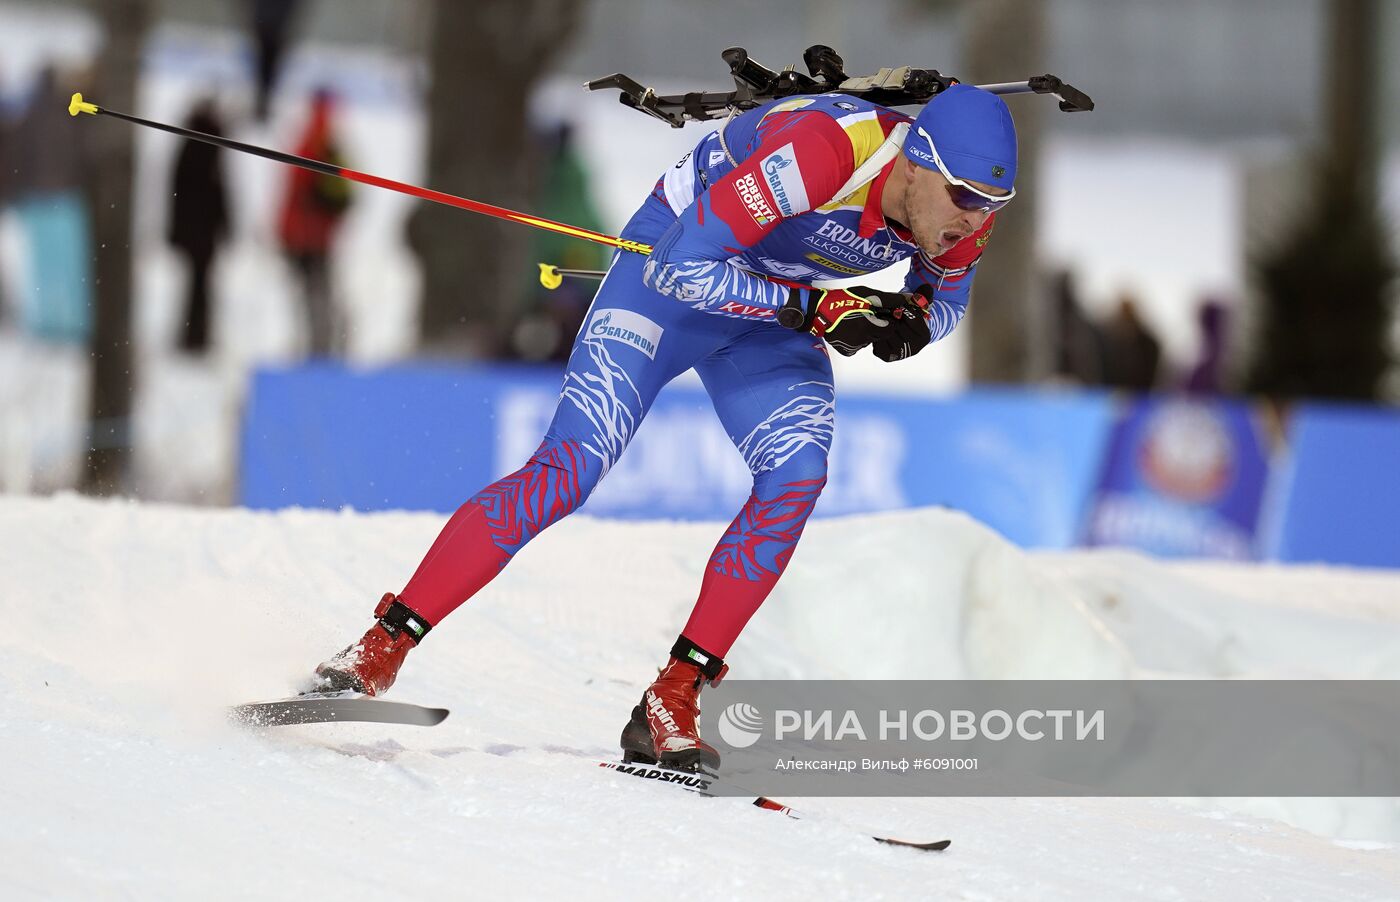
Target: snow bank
<point x="927" y="594"/>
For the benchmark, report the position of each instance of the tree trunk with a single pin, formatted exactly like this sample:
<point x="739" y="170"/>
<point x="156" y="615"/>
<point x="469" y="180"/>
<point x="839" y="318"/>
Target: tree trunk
<point x="1005" y="42"/>
<point x="1354" y="78"/>
<point x="486" y="57"/>
<point x="111" y="172"/>
<point x="1326" y="300"/>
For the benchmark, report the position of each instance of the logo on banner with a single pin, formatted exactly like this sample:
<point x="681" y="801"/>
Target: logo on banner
<point x="1181" y="478"/>
<point x="627" y="327"/>
<point x="754" y="201"/>
<point x="1187" y="453"/>
<point x="784" y="179"/>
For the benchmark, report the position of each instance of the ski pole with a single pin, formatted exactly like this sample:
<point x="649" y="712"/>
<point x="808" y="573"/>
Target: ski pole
<point x="78" y="105"/>
<point x="552" y="277"/>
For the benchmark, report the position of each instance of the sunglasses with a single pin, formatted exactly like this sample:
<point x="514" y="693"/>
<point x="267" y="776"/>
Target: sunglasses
<point x="965" y="195"/>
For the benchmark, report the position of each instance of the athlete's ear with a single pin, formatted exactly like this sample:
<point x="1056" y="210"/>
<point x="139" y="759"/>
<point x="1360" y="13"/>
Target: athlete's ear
<point x="910" y="170"/>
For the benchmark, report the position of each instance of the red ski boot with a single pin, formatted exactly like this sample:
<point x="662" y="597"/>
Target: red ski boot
<point x="370" y="665"/>
<point x="663" y="728"/>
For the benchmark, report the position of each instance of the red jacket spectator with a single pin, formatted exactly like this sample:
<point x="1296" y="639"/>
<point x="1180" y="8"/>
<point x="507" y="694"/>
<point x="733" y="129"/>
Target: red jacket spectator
<point x="315" y="203"/>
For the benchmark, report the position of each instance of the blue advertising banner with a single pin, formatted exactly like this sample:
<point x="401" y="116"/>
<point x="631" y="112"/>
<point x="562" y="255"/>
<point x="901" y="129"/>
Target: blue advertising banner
<point x="425" y="437"/>
<point x="1183" y="477"/>
<point x="1340" y="487"/>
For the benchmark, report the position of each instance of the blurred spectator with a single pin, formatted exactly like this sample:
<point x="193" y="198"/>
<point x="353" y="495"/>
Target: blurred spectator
<point x="1079" y="345"/>
<point x="198" y="220"/>
<point x="47" y="173"/>
<point x="272" y="21"/>
<point x="1207" y="377"/>
<point x="1131" y="352"/>
<point x="312" y="211"/>
<point x="547" y="331"/>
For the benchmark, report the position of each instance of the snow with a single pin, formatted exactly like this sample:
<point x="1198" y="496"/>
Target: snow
<point x="131" y="625"/>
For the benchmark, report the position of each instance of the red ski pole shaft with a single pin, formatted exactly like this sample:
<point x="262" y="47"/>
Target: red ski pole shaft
<point x="78" y="105"/>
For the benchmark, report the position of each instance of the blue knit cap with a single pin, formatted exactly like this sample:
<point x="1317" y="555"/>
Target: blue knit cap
<point x="974" y="135"/>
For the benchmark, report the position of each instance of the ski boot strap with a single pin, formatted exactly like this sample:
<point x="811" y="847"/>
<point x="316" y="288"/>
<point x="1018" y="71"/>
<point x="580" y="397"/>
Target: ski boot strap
<point x="397" y="617"/>
<point x="711" y="666"/>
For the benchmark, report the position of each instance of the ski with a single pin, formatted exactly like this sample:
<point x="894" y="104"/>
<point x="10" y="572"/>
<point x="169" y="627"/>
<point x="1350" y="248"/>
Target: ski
<point x="704" y="784"/>
<point x="335" y="707"/>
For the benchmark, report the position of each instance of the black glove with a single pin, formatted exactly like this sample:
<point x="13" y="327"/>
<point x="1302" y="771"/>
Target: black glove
<point x="908" y="329"/>
<point x="851" y="318"/>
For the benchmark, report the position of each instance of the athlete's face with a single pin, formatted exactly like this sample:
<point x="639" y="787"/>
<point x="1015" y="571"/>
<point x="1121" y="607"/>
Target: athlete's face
<point x="937" y="222"/>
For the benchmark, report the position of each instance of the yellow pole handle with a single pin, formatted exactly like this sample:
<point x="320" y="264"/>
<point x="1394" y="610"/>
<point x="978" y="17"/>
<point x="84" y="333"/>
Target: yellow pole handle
<point x="77" y="105"/>
<point x="550" y="277"/>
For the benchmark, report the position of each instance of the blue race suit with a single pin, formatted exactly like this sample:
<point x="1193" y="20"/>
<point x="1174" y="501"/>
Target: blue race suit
<point x="756" y="199"/>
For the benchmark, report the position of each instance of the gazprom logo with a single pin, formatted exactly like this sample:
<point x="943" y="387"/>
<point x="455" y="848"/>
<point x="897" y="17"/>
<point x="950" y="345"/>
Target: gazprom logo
<point x="740" y="725"/>
<point x="784" y="180"/>
<point x="627" y="327"/>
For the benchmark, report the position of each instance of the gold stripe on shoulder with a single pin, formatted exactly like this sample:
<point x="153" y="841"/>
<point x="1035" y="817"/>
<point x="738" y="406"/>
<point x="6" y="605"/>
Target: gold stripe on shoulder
<point x="848" y="119"/>
<point x="865" y="135"/>
<point x="854" y="201"/>
<point x="787" y="106"/>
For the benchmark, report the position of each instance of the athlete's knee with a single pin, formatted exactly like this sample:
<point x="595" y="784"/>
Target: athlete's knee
<point x="552" y="484"/>
<point x="761" y="538"/>
<point x="568" y="468"/>
<point x="806" y="466"/>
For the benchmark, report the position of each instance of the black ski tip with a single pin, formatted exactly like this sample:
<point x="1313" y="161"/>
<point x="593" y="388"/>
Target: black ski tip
<point x="433" y="716"/>
<point x="935" y="846"/>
